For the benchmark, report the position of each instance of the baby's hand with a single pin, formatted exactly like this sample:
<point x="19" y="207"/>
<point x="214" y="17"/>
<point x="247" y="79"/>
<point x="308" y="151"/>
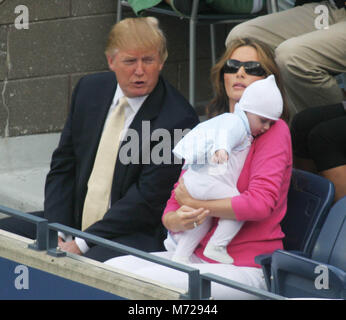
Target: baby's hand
<point x="220" y="156"/>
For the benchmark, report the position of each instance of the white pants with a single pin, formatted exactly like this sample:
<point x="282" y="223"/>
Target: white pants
<point x="247" y="275"/>
<point x="209" y="182"/>
<point x="184" y="243"/>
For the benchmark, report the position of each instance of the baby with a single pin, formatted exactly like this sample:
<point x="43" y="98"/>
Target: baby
<point x="214" y="154"/>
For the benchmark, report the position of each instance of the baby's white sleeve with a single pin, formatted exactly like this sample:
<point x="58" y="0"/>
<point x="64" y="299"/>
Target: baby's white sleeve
<point x="229" y="134"/>
<point x="193" y="146"/>
<point x="225" y="131"/>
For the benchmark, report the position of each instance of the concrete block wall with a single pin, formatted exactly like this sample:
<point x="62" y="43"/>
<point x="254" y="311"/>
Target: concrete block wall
<point x="40" y="66"/>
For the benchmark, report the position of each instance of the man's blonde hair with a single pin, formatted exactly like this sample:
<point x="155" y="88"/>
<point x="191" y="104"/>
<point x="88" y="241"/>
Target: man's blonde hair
<point x="137" y="33"/>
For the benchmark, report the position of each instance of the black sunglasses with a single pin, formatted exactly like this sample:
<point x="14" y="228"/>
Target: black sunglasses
<point x="252" y="68"/>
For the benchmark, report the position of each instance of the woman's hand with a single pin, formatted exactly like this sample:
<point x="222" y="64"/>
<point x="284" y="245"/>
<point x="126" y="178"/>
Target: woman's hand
<point x="182" y="195"/>
<point x="184" y="218"/>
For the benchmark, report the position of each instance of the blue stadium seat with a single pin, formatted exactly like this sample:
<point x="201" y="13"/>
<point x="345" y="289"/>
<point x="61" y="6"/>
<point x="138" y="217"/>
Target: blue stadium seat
<point x="320" y="274"/>
<point x="309" y="199"/>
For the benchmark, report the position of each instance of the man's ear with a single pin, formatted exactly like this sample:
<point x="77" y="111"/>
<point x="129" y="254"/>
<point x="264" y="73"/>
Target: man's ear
<point x="161" y="66"/>
<point x="110" y="61"/>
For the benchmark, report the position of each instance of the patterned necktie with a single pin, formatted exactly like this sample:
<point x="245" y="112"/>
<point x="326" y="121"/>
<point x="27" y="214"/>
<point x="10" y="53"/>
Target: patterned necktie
<point x="101" y="178"/>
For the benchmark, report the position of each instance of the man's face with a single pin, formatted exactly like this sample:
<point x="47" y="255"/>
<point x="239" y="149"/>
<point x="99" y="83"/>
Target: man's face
<point x="137" y="71"/>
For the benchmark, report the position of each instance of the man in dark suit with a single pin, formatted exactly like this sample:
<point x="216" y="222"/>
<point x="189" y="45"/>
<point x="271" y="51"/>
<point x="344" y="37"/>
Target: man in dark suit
<point x="136" y="53"/>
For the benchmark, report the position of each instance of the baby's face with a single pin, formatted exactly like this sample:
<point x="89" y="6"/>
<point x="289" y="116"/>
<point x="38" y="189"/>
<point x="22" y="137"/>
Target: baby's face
<point x="258" y="124"/>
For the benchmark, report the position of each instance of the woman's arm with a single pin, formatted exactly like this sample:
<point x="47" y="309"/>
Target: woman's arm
<point x="178" y="218"/>
<point x="184" y="218"/>
<point x="268" y="172"/>
<point x="221" y="208"/>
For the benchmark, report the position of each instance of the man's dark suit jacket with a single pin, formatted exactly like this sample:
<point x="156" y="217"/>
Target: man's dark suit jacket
<point x="139" y="191"/>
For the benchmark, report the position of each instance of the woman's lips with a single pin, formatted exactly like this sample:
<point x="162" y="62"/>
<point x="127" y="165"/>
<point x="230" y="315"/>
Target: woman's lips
<point x="239" y="85"/>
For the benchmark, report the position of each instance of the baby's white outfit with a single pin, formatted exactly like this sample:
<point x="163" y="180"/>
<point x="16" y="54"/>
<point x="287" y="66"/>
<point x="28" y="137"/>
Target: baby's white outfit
<point x="205" y="180"/>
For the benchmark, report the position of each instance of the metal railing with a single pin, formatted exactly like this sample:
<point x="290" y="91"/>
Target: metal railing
<point x="193" y="274"/>
<point x="199" y="285"/>
<point x="41" y="226"/>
